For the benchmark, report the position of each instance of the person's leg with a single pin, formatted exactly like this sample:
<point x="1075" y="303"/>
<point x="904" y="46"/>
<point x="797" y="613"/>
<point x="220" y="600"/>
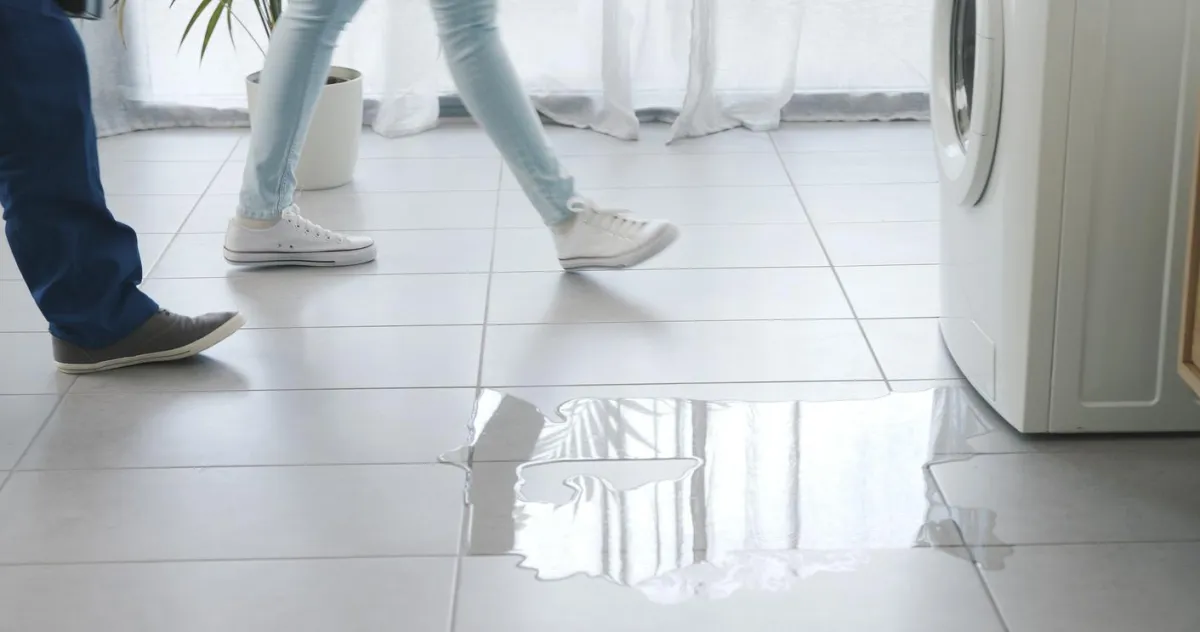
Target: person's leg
<point x="492" y="92"/>
<point x="268" y="230"/>
<point x="489" y="86"/>
<point x="81" y="265"/>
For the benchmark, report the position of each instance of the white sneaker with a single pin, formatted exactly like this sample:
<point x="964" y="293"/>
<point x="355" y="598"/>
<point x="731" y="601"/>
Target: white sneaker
<point x="607" y="240"/>
<point x="294" y="241"/>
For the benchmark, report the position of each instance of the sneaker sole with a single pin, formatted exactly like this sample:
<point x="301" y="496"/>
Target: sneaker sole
<point x="648" y="251"/>
<point x="330" y="259"/>
<point x="170" y="355"/>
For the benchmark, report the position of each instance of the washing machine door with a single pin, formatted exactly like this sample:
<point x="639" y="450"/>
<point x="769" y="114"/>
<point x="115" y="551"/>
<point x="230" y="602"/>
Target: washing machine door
<point x="968" y="76"/>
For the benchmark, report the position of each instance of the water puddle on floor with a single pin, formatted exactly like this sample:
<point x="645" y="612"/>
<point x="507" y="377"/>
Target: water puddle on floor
<point x="684" y="499"/>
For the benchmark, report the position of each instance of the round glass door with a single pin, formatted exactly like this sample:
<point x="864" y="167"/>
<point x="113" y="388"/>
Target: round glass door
<point x="962" y="66"/>
<point x="965" y="93"/>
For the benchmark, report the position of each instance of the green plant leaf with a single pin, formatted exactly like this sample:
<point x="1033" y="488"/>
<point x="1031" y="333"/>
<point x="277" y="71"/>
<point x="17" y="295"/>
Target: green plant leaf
<point x="229" y="20"/>
<point x="192" y="22"/>
<point x="118" y="6"/>
<point x="262" y="18"/>
<point x="212" y="26"/>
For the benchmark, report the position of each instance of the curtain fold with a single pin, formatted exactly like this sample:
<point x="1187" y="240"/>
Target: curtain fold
<point x="703" y="65"/>
<point x="742" y="69"/>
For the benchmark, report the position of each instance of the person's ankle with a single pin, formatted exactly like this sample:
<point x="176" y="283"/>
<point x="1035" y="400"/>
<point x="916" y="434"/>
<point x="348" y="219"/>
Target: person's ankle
<point x="256" y="223"/>
<point x="564" y="226"/>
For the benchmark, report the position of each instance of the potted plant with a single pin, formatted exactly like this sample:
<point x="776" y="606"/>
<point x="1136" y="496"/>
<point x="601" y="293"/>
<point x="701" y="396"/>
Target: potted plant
<point x="330" y="151"/>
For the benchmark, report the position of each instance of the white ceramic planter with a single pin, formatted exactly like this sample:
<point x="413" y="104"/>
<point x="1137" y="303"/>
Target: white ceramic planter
<point x="330" y="151"/>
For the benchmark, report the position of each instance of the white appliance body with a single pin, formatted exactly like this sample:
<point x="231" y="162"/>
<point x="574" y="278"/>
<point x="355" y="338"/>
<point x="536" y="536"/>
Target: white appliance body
<point x="1065" y="136"/>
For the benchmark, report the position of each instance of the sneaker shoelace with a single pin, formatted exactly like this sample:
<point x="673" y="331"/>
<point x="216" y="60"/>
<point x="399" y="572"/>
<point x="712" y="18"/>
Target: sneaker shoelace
<point x="312" y="228"/>
<point x="617" y="223"/>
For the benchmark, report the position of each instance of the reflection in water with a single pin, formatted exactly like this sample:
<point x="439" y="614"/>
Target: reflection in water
<point x="681" y="498"/>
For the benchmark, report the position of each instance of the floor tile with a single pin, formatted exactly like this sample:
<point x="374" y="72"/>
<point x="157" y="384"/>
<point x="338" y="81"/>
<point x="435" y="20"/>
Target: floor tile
<point x="295" y="466"/>
<point x="839" y="203"/>
<point x="851" y="167"/>
<point x="742" y="246"/>
<point x="549" y="398"/>
<point x="910" y="386"/>
<point x="228" y="180"/>
<point x="20" y="313"/>
<point x="650" y="170"/>
<point x="448" y="140"/>
<point x="652" y="353"/>
<point x="241" y="151"/>
<point x="1120" y="494"/>
<point x="942" y="594"/>
<point x="988" y="433"/>
<point x="380" y="175"/>
<point x="722" y="477"/>
<point x="812" y="137"/>
<point x="893" y="291"/>
<point x="288" y="359"/>
<point x="298" y="596"/>
<point x="272" y="301"/>
<point x="666" y="295"/>
<point x="251" y="428"/>
<point x="20" y="419"/>
<point x="8" y="266"/>
<point x="349" y="211"/>
<point x="27" y="366"/>
<point x="151" y="247"/>
<point x="443" y="174"/>
<point x="947" y="419"/>
<point x="1100" y="588"/>
<point x="152" y="213"/>
<point x="212" y="214"/>
<point x="910" y="349"/>
<point x="158" y="178"/>
<point x="881" y="244"/>
<point x="400" y="252"/>
<point x="652" y="139"/>
<point x="684" y="206"/>
<point x="230" y="513"/>
<point x="554" y="513"/>
<point x="173" y="145"/>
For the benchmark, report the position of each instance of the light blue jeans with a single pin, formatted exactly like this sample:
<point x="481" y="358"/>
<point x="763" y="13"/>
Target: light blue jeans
<point x="298" y="63"/>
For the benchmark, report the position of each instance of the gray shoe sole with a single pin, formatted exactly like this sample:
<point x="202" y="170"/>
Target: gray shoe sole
<point x="329" y="259"/>
<point x="170" y="355"/>
<point x="648" y="251"/>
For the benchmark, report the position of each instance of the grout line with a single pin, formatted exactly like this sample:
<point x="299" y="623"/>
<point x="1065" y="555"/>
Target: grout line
<point x="819" y="319"/>
<point x="316" y="273"/>
<point x="171" y="242"/>
<point x="987" y="590"/>
<point x="463" y="387"/>
<point x="842" y="286"/>
<point x="29" y="446"/>
<point x="498" y="387"/>
<point x="580" y="324"/>
<point x="220" y="560"/>
<point x="530" y="228"/>
<point x="440" y="556"/>
<point x="969" y="548"/>
<point x="406" y="465"/>
<point x="464" y="528"/>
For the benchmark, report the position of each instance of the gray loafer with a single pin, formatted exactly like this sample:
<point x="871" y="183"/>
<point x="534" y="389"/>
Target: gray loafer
<point x="166" y="337"/>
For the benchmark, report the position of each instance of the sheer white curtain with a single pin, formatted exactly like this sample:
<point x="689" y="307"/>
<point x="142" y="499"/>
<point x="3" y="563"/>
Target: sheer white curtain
<point x="705" y="65"/>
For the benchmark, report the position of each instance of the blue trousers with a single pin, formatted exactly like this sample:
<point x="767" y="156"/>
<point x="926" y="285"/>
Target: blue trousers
<point x="80" y="263"/>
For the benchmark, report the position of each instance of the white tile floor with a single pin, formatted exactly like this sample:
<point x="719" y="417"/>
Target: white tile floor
<point x="290" y="479"/>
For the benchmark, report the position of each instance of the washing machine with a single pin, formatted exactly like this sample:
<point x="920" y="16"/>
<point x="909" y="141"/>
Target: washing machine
<point x="1065" y="136"/>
